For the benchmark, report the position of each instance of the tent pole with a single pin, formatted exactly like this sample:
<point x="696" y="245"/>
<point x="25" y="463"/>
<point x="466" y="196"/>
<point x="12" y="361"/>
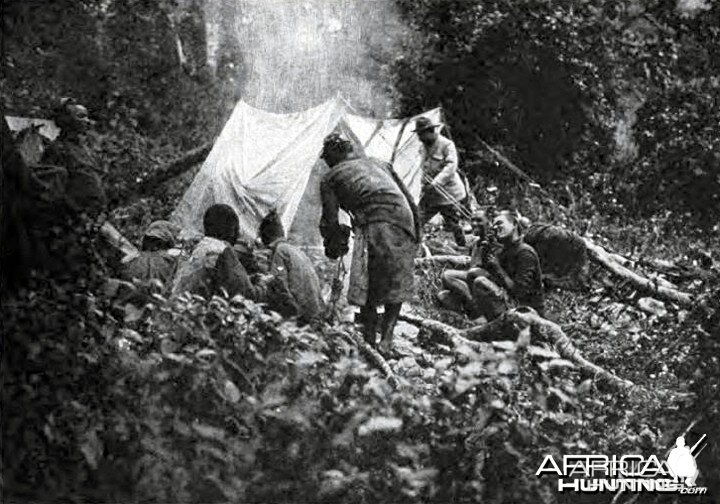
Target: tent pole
<point x="397" y="140"/>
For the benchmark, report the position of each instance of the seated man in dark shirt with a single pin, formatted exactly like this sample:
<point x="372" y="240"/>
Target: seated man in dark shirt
<point x="514" y="275"/>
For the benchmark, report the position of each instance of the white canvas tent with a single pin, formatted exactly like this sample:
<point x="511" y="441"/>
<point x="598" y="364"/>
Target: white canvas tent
<point x="263" y="160"/>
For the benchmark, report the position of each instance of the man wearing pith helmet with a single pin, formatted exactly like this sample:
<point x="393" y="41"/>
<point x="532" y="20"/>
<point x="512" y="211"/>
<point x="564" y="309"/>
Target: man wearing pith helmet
<point x="443" y="189"/>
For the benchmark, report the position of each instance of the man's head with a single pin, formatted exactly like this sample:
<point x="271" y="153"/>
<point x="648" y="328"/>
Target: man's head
<point x="71" y="117"/>
<point x="221" y="222"/>
<point x="426" y="130"/>
<point x="160" y="235"/>
<point x="506" y="227"/>
<point x="271" y="228"/>
<point x="480" y="224"/>
<point x="336" y="148"/>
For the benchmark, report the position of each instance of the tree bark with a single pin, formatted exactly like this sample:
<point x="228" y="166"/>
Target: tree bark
<point x="602" y="257"/>
<point x="450" y="260"/>
<point x="554" y="333"/>
<point x="517" y="320"/>
<point x="175" y="168"/>
<point x="373" y="356"/>
<point x="118" y="241"/>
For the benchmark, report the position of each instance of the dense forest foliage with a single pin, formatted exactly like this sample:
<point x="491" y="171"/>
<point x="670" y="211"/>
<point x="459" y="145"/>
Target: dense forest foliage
<point x="611" y="107"/>
<point x="553" y="84"/>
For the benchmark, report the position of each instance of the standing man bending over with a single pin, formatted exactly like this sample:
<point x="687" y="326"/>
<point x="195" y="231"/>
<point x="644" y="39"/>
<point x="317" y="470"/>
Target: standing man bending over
<point x="443" y="188"/>
<point x="386" y="228"/>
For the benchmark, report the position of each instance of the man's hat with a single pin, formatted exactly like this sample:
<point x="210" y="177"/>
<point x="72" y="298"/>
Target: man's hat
<point x="423" y="123"/>
<point x="162" y="230"/>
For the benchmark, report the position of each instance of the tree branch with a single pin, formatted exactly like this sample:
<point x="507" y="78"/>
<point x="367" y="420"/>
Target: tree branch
<point x="517" y="320"/>
<point x="373" y="356"/>
<point x="602" y="257"/>
<point x="175" y="168"/>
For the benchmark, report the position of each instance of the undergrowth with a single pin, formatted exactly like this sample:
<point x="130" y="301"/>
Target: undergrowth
<point x="187" y="400"/>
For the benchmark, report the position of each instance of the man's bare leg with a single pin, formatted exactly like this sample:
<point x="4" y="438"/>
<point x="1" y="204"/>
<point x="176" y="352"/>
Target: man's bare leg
<point x="456" y="281"/>
<point x="390" y="318"/>
<point x="369" y="318"/>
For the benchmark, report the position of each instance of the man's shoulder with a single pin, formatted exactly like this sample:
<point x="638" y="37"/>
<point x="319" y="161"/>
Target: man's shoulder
<point x="344" y="167"/>
<point x="286" y="249"/>
<point x="444" y="142"/>
<point x="526" y="250"/>
<point x="284" y="246"/>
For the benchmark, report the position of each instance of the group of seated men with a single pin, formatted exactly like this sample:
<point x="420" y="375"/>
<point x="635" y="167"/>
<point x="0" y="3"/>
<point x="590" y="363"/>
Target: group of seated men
<point x="291" y="285"/>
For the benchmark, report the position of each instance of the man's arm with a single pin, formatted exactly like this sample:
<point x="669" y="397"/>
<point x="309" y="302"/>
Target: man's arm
<point x="449" y="166"/>
<point x="522" y="285"/>
<point x="329" y="220"/>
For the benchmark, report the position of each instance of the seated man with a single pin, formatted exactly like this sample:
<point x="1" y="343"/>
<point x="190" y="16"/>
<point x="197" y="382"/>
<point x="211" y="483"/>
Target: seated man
<point x="514" y="276"/>
<point x="457" y="284"/>
<point x="213" y="265"/>
<point x="294" y="287"/>
<point x="82" y="186"/>
<point x="157" y="260"/>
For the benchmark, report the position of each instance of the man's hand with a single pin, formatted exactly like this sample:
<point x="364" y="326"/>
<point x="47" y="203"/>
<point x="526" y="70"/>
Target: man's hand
<point x="261" y="278"/>
<point x="491" y="263"/>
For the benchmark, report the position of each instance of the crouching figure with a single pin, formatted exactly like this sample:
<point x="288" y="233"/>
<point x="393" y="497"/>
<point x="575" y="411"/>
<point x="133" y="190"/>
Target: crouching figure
<point x="292" y="286"/>
<point x="213" y="266"/>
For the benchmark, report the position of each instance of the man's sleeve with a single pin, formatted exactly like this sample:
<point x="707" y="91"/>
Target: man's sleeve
<point x="329" y="220"/>
<point x="528" y="265"/>
<point x="231" y="275"/>
<point x="449" y="166"/>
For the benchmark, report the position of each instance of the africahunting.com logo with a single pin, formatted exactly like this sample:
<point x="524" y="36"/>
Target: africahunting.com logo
<point x="628" y="473"/>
